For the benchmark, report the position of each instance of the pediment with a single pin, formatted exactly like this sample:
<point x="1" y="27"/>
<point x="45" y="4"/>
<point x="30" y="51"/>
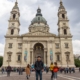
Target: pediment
<point x="38" y="33"/>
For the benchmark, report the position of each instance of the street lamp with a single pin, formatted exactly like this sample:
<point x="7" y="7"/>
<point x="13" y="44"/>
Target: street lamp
<point x="67" y="62"/>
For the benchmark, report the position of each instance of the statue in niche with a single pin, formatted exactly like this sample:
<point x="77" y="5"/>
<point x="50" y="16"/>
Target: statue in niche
<point x="40" y="47"/>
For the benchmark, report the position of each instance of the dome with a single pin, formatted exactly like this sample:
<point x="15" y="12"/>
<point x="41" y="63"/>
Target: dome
<point x="39" y="18"/>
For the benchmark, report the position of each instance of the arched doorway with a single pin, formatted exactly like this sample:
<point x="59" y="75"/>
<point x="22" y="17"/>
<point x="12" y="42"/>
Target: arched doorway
<point x="38" y="51"/>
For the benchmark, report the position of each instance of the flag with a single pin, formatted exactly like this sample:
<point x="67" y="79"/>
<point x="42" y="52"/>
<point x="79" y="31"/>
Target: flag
<point x="25" y="56"/>
<point x="51" y="55"/>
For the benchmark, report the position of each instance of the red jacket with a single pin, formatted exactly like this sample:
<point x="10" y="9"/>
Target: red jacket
<point x="55" y="69"/>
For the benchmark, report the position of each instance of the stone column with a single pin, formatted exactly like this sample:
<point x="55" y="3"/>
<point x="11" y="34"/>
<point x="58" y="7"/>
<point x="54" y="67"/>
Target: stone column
<point x="32" y="57"/>
<point x="45" y="57"/>
<point x="28" y="56"/>
<point x="48" y="54"/>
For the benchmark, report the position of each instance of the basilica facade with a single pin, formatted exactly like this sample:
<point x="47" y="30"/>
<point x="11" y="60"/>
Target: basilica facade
<point x="21" y="50"/>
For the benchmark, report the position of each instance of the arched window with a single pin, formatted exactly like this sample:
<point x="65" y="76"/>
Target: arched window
<point x="65" y="31"/>
<point x="14" y="16"/>
<point x="63" y="16"/>
<point x="12" y="31"/>
<point x="38" y="18"/>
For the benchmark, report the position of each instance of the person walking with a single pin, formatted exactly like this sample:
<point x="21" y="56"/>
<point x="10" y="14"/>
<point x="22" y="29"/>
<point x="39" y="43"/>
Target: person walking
<point x="27" y="71"/>
<point x="51" y="69"/>
<point x="39" y="66"/>
<point x="8" y="71"/>
<point x="69" y="70"/>
<point x="47" y="69"/>
<point x="2" y="70"/>
<point x="55" y="70"/>
<point x="79" y="69"/>
<point x="20" y="70"/>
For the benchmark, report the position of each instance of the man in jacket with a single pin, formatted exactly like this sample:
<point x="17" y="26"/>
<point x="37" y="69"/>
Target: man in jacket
<point x="39" y="66"/>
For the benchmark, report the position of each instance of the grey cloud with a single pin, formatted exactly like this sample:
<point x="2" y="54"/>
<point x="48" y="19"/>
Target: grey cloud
<point x="49" y="13"/>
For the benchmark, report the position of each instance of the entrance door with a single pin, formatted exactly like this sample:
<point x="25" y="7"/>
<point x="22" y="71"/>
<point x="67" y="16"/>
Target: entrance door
<point x="38" y="51"/>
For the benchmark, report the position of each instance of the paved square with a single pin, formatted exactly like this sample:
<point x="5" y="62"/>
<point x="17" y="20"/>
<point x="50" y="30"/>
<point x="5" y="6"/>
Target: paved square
<point x="15" y="76"/>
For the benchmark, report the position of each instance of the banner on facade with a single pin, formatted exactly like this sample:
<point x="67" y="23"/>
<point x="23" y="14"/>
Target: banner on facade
<point x="51" y="56"/>
<point x="25" y="56"/>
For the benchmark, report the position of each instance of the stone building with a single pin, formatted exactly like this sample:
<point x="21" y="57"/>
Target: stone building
<point x="24" y="49"/>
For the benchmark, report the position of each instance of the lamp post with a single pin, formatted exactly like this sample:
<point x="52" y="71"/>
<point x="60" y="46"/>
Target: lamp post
<point x="20" y="63"/>
<point x="8" y="62"/>
<point x="67" y="62"/>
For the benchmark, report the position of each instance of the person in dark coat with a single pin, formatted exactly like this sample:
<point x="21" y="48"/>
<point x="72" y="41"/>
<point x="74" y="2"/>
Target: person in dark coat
<point x="20" y="70"/>
<point x="79" y="69"/>
<point x="2" y="70"/>
<point x="8" y="70"/>
<point x="39" y="66"/>
<point x="47" y="69"/>
<point x="69" y="70"/>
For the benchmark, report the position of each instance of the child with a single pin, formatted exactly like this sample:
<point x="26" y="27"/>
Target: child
<point x="27" y="71"/>
<point x="55" y="70"/>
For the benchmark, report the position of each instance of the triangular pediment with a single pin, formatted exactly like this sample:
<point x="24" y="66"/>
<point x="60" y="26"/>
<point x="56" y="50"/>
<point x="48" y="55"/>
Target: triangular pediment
<point x="38" y="33"/>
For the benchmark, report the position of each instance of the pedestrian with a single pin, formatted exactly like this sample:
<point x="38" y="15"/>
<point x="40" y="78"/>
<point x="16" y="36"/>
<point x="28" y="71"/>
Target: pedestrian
<point x="8" y="71"/>
<point x="39" y="67"/>
<point x="73" y="70"/>
<point x="65" y="70"/>
<point x="20" y="71"/>
<point x="27" y="71"/>
<point x="46" y="69"/>
<point x="69" y="70"/>
<point x="79" y="69"/>
<point x="55" y="70"/>
<point x="60" y="69"/>
<point x="2" y="70"/>
<point x="51" y="69"/>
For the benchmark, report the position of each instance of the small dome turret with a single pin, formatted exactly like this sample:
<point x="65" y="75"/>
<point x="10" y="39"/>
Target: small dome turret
<point x="16" y="5"/>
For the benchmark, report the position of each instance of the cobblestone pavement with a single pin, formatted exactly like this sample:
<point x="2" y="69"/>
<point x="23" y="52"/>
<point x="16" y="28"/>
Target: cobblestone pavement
<point x="15" y="76"/>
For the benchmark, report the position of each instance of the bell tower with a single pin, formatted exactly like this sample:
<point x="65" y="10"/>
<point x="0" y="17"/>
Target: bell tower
<point x="14" y="23"/>
<point x="63" y="21"/>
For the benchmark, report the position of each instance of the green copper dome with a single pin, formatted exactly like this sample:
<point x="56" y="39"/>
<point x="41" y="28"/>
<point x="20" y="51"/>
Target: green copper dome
<point x="39" y="18"/>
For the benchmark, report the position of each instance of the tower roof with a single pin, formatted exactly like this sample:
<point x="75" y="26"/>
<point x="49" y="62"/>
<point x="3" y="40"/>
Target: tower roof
<point x="39" y="18"/>
<point x="61" y="5"/>
<point x="16" y="5"/>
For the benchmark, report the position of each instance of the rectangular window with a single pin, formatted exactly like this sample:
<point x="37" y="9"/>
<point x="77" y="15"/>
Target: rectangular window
<point x="58" y="57"/>
<point x="19" y="45"/>
<point x="66" y="45"/>
<point x="67" y="57"/>
<point x="57" y="45"/>
<point x="10" y="45"/>
<point x="19" y="58"/>
<point x="9" y="57"/>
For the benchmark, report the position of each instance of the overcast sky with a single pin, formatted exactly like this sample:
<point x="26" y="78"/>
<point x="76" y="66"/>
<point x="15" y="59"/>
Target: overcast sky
<point x="49" y="10"/>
